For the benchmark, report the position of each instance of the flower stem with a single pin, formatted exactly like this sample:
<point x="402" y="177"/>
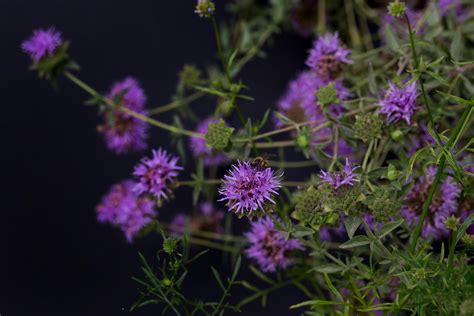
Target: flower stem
<point x="137" y="115"/>
<point x="459" y="128"/>
<point x="176" y="104"/>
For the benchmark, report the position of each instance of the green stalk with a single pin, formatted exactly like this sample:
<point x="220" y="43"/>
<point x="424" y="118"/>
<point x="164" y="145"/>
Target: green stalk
<point x="137" y="115"/>
<point x="176" y="104"/>
<point x="441" y="164"/>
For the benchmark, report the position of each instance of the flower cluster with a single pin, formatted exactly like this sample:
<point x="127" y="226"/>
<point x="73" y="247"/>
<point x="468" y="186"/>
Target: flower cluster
<point x="124" y="208"/>
<point x="247" y="187"/>
<point x="269" y="247"/>
<point x="123" y="132"/>
<point x="157" y="175"/>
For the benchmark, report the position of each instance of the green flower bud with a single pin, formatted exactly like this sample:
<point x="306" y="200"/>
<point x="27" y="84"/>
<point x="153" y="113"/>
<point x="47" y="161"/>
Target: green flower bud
<point x="169" y="245"/>
<point x="368" y="127"/>
<point x="205" y="8"/>
<point x="397" y="9"/>
<point x="393" y="173"/>
<point x="382" y="204"/>
<point x="218" y="135"/>
<point x="166" y="282"/>
<point x="452" y="223"/>
<point x="396" y="135"/>
<point x="189" y="76"/>
<point x="327" y="94"/>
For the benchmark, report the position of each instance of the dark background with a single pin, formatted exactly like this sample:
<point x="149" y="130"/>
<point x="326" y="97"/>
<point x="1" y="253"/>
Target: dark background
<point x="55" y="258"/>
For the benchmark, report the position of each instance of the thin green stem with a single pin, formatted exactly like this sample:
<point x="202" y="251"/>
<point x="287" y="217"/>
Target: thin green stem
<point x="367" y="155"/>
<point x="137" y="115"/>
<point x="460" y="127"/>
<point x="176" y="104"/>
<point x="336" y="148"/>
<point x="220" y="52"/>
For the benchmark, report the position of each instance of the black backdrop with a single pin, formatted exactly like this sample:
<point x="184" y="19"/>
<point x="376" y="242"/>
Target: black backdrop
<point x="55" y="258"/>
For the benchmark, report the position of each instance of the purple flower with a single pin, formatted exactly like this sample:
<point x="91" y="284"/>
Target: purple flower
<point x="42" y="43"/>
<point x="207" y="218"/>
<point x="199" y="147"/>
<point x="247" y="188"/>
<point x="327" y="56"/>
<point x="444" y="204"/>
<point x="123" y="132"/>
<point x="269" y="247"/>
<point x="399" y="103"/>
<point x="157" y="175"/>
<point x="340" y="178"/>
<point x="122" y="207"/>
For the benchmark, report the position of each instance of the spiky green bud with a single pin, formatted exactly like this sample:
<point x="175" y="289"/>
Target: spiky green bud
<point x="368" y="127"/>
<point x="397" y="9"/>
<point x="382" y="204"/>
<point x="189" y="76"/>
<point x="218" y="135"/>
<point x="452" y="223"/>
<point x="169" y="245"/>
<point x="327" y="94"/>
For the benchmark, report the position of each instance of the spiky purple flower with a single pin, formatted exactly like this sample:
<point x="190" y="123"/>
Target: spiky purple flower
<point x="269" y="247"/>
<point x="123" y="132"/>
<point x="340" y="178"/>
<point x="157" y="175"/>
<point x="122" y="207"/>
<point x="399" y="103"/>
<point x="42" y="43"/>
<point x="199" y="147"/>
<point x="327" y="56"/>
<point x="444" y="204"/>
<point x="247" y="188"/>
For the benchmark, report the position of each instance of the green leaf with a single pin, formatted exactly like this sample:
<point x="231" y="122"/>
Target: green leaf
<point x="332" y="288"/>
<point x="261" y="276"/>
<point x="416" y="156"/>
<point x="352" y="223"/>
<point x="357" y="241"/>
<point x="456" y="48"/>
<point x="462" y="229"/>
<point x="328" y="268"/>
<point x="388" y="228"/>
<point x="315" y="303"/>
<point x="392" y="39"/>
<point x="218" y="278"/>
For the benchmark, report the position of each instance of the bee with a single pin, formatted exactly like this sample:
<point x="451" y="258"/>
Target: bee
<point x="261" y="162"/>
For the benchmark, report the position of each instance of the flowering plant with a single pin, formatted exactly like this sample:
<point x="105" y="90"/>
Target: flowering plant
<point x="380" y="221"/>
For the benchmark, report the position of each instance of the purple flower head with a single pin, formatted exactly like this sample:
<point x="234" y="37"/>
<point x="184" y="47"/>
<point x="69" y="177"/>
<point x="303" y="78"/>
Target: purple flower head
<point x="157" y="175"/>
<point x="246" y="188"/>
<point x="327" y="56"/>
<point x="200" y="149"/>
<point x="42" y="43"/>
<point x="444" y="204"/>
<point x="269" y="247"/>
<point x="122" y="207"/>
<point x="123" y="132"/>
<point x="340" y="178"/>
<point x="399" y="103"/>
